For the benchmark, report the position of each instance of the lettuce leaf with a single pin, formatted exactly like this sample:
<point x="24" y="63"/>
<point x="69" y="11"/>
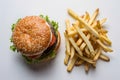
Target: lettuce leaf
<point x="12" y="47"/>
<point x="52" y="22"/>
<point x="13" y="25"/>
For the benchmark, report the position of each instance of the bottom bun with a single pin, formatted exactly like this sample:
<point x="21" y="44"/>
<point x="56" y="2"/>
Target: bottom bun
<point x="48" y="57"/>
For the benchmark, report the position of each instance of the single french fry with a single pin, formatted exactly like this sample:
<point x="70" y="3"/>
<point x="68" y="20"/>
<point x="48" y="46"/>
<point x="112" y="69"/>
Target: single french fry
<point x="95" y="14"/>
<point x="67" y="44"/>
<point x="66" y="60"/>
<point x="98" y="26"/>
<point x="87" y="16"/>
<point x="82" y="46"/>
<point x="67" y="24"/>
<point x="107" y="49"/>
<point x="104" y="57"/>
<point x="72" y="52"/>
<point x="87" y="52"/>
<point x="86" y="67"/>
<point x="94" y="65"/>
<point x="72" y="62"/>
<point x="79" y="41"/>
<point x="94" y="24"/>
<point x="103" y="21"/>
<point x="97" y="54"/>
<point x="103" y="38"/>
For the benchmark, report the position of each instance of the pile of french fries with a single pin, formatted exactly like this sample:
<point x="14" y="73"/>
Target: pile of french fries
<point x="86" y="40"/>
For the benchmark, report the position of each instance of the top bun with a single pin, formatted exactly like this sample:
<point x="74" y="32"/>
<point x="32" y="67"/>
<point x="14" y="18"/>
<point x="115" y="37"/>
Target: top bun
<point x="31" y="35"/>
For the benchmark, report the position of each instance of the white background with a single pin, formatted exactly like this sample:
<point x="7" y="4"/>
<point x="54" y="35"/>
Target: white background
<point x="12" y="65"/>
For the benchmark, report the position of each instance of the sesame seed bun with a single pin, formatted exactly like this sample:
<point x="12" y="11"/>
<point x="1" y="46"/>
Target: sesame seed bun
<point x="31" y="35"/>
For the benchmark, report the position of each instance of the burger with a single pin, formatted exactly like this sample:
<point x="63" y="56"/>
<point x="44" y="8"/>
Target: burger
<point x="36" y="37"/>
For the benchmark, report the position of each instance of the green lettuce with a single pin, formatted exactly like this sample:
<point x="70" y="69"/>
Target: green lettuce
<point x="52" y="22"/>
<point x="12" y="47"/>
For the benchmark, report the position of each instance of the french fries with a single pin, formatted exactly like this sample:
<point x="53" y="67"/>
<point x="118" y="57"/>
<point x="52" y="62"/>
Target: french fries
<point x="87" y="26"/>
<point x="86" y="39"/>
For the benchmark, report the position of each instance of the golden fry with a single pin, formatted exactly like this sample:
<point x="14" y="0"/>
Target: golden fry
<point x="82" y="46"/>
<point x="95" y="14"/>
<point x="104" y="57"/>
<point x="67" y="24"/>
<point x="87" y="17"/>
<point x="105" y="39"/>
<point x="87" y="52"/>
<point x="79" y="41"/>
<point x="72" y="62"/>
<point x="97" y="54"/>
<point x="103" y="21"/>
<point x="67" y="44"/>
<point x="72" y="52"/>
<point x="107" y="49"/>
<point x="86" y="67"/>
<point x="66" y="60"/>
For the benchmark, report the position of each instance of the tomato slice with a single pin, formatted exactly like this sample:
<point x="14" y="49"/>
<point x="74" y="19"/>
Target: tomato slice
<point x="53" y="40"/>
